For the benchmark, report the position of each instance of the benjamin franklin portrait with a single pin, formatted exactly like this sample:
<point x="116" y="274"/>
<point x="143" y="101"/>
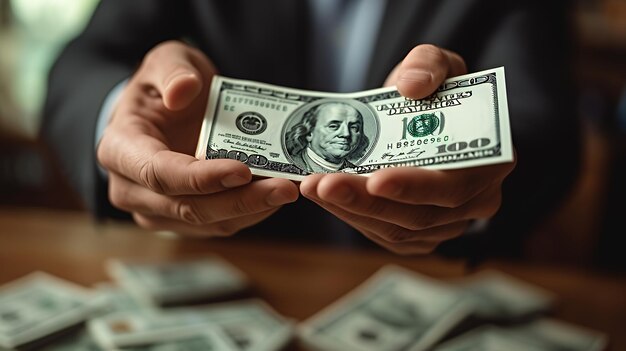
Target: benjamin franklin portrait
<point x="330" y="136"/>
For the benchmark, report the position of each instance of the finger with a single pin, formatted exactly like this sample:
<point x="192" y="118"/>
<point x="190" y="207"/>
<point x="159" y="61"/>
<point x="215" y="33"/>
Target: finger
<point x="348" y="192"/>
<point x="387" y="231"/>
<point x="147" y="161"/>
<point x="396" y="239"/>
<point x="449" y="188"/>
<point x="308" y="186"/>
<point x="178" y="72"/>
<point x="409" y="248"/>
<point x="394" y="234"/>
<point x="257" y="197"/>
<point x="219" y="229"/>
<point x="424" y="69"/>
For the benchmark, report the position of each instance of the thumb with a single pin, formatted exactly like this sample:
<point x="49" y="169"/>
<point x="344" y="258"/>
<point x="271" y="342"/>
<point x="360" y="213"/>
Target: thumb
<point x="180" y="88"/>
<point x="178" y="72"/>
<point x="424" y="69"/>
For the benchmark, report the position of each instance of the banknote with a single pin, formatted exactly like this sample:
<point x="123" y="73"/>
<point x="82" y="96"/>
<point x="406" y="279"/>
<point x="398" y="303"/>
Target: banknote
<point x="38" y="305"/>
<point x="552" y="335"/>
<point x="127" y="329"/>
<point x="249" y="324"/>
<point x="79" y="340"/>
<point x="396" y="309"/>
<point x="499" y="296"/>
<point x="252" y="324"/>
<point x="290" y="133"/>
<point x="485" y="338"/>
<point x="177" y="282"/>
<point x="107" y="299"/>
<point x="184" y="340"/>
<point x="110" y="298"/>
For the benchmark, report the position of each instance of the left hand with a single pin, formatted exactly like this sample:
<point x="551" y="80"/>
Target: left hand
<point x="411" y="210"/>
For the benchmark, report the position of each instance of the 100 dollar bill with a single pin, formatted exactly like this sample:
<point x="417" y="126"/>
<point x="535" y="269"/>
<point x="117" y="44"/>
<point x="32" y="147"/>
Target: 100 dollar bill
<point x="290" y="133"/>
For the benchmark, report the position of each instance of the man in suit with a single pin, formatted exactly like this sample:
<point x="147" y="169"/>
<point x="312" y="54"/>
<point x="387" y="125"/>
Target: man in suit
<point x="153" y="117"/>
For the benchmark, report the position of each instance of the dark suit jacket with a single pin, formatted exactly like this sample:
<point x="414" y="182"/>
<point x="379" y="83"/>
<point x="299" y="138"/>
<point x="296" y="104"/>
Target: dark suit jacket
<point x="267" y="41"/>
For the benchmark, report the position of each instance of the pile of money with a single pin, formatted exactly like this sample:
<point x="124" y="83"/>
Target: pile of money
<point x="398" y="309"/>
<point x="395" y="309"/>
<point x="543" y="334"/>
<point x="290" y="133"/>
<point x="163" y="284"/>
<point x="497" y="296"/>
<point x="39" y="305"/>
<point x="248" y="324"/>
<point x="43" y="312"/>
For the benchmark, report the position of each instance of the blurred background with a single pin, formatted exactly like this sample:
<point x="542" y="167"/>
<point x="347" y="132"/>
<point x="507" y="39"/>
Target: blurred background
<point x="584" y="232"/>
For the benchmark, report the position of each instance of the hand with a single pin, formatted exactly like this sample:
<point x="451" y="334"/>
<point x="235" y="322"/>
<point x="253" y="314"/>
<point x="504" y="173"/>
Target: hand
<point x="411" y="210"/>
<point x="148" y="149"/>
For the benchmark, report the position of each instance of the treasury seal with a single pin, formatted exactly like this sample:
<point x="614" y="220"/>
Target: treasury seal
<point x="251" y="123"/>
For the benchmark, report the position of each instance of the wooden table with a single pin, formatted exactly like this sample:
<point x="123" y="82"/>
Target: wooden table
<point x="296" y="279"/>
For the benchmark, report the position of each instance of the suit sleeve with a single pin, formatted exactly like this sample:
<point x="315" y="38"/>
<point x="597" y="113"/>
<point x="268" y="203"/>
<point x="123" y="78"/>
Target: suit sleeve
<point x="109" y="49"/>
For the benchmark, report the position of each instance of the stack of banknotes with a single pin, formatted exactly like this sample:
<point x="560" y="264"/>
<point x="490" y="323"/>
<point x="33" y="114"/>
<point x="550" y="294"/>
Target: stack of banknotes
<point x="396" y="309"/>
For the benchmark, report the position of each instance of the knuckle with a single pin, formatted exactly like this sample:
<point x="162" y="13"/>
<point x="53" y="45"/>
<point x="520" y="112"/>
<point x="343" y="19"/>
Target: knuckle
<point x="242" y="207"/>
<point x="148" y="175"/>
<point x="189" y="212"/>
<point x="196" y="185"/>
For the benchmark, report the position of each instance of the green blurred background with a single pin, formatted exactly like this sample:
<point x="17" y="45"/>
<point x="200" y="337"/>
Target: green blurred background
<point x="584" y="232"/>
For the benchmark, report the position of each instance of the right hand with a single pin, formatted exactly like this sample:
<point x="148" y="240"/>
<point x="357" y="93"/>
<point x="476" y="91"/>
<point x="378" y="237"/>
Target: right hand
<point x="148" y="150"/>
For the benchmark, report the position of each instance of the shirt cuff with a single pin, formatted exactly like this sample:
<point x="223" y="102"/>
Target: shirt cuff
<point x="104" y="117"/>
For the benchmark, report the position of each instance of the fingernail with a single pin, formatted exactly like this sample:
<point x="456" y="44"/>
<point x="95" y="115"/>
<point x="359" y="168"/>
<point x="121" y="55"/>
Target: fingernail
<point x="417" y="76"/>
<point x="341" y="195"/>
<point x="234" y="180"/>
<point x="279" y="197"/>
